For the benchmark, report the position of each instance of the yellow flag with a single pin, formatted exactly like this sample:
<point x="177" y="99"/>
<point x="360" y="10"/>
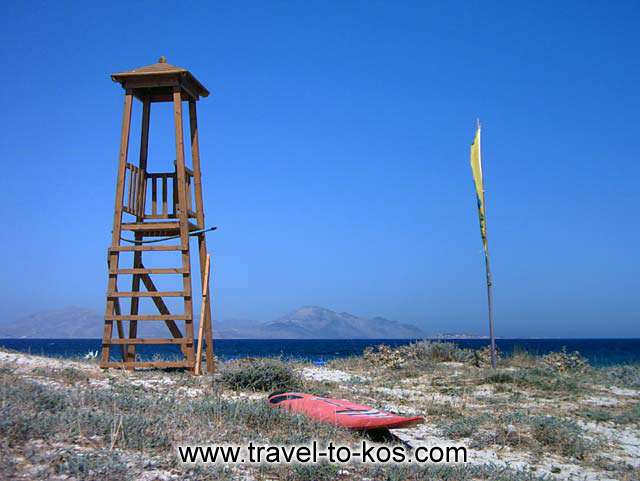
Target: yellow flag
<point x="476" y="169"/>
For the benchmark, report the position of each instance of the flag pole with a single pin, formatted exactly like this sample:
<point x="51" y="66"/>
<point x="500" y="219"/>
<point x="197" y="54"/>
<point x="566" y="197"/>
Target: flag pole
<point x="490" y="307"/>
<point x="476" y="167"/>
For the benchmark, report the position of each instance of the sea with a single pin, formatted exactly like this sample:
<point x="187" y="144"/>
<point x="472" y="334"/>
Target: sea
<point x="599" y="352"/>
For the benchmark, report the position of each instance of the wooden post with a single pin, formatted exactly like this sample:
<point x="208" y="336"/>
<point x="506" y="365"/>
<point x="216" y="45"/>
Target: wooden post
<point x="183" y="215"/>
<point x="137" y="256"/>
<point x="202" y="240"/>
<point x="116" y="308"/>
<point x="203" y="310"/>
<point x="117" y="221"/>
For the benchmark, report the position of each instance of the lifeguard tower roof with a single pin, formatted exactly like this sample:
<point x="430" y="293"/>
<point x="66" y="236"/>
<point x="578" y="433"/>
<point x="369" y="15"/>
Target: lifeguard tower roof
<point x="156" y="81"/>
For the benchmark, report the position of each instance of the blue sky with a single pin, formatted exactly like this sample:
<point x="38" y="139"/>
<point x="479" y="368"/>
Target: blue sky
<point x="335" y="154"/>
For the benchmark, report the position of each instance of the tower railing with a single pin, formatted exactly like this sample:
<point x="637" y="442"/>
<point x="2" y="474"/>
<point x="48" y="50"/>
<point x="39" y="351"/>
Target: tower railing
<point x="164" y="193"/>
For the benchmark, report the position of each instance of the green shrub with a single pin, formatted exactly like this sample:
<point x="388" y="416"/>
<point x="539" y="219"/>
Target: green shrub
<point x="441" y="472"/>
<point x="260" y="375"/>
<point x="539" y="378"/>
<point x="73" y="375"/>
<point x="565" y="362"/>
<point x="625" y="376"/>
<point x="499" y="378"/>
<point x="562" y="435"/>
<point x="547" y="380"/>
<point x="627" y="415"/>
<point x="92" y="466"/>
<point x="482" y="357"/>
<point x="597" y="415"/>
<point x="23" y="407"/>
<point x="520" y="357"/>
<point x="463" y="427"/>
<point x="309" y="472"/>
<point x="438" y="352"/>
<point x="415" y="354"/>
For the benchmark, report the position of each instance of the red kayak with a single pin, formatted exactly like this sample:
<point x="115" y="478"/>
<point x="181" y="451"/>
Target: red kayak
<point x="340" y="412"/>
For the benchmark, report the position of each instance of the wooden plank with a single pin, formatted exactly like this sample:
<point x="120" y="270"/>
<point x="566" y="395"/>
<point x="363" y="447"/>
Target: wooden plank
<point x="139" y="341"/>
<point x="203" y="318"/>
<point x="135" y="287"/>
<point x="151" y="81"/>
<point x="151" y="364"/>
<point x="183" y="216"/>
<point x="134" y="192"/>
<point x="193" y="86"/>
<point x="150" y="226"/>
<point x="148" y="317"/>
<point x="136" y="189"/>
<point x="168" y="97"/>
<point x="130" y="191"/>
<point x="202" y="238"/>
<point x="139" y="194"/>
<point x="174" y="192"/>
<point x="159" y="216"/>
<point x="154" y="196"/>
<point x="147" y="248"/>
<point x="188" y="88"/>
<point x="154" y="270"/>
<point x="159" y="175"/>
<point x="188" y="194"/>
<point x="148" y="294"/>
<point x="142" y="197"/>
<point x="144" y="153"/>
<point x="127" y="174"/>
<point x="120" y="328"/>
<point x="117" y="220"/>
<point x="165" y="210"/>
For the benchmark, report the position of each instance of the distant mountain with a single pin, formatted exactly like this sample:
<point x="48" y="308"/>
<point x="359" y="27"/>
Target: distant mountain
<point x="68" y="322"/>
<point x="310" y="322"/>
<point x="235" y="329"/>
<point x="56" y="323"/>
<point x="313" y="322"/>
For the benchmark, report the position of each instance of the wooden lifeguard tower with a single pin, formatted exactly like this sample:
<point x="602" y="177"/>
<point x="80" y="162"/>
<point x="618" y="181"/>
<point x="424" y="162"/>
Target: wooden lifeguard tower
<point x="160" y="223"/>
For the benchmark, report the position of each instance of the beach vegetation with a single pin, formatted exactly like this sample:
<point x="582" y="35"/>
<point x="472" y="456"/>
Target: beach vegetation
<point x="124" y="423"/>
<point x="539" y="378"/>
<point x="260" y="375"/>
<point x="628" y="414"/>
<point x="417" y="354"/>
<point x="468" y="472"/>
<point x="560" y="435"/>
<point x="565" y="362"/>
<point x="625" y="376"/>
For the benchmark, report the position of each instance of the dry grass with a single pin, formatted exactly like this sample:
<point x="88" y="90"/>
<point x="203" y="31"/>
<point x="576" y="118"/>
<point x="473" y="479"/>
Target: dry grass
<point x="260" y="375"/>
<point x="88" y="424"/>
